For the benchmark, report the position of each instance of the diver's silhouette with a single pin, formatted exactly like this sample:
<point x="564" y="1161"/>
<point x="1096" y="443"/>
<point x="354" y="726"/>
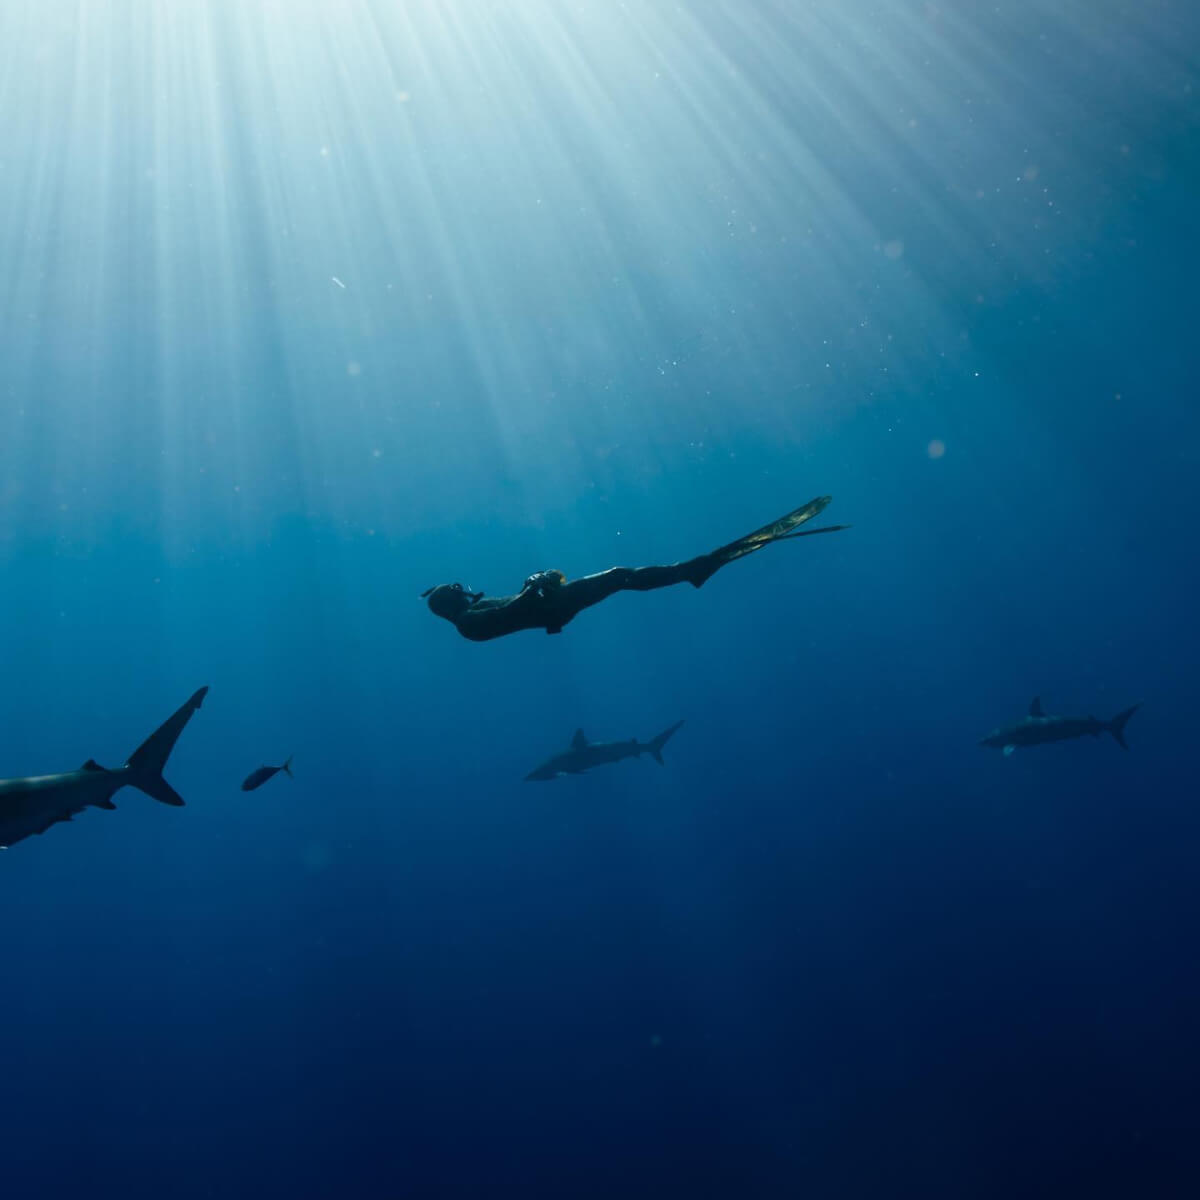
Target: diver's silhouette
<point x="548" y="601"/>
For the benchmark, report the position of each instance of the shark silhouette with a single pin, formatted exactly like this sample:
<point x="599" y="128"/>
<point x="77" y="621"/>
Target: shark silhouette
<point x="1038" y="728"/>
<point x="32" y="805"/>
<point x="583" y="755"/>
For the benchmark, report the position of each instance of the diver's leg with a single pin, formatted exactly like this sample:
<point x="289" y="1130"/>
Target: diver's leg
<point x="572" y="598"/>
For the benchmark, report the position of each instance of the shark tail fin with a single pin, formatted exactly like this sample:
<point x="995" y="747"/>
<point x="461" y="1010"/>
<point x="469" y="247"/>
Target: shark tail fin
<point x="147" y="761"/>
<point x="287" y="767"/>
<point x="655" y="745"/>
<point x="1117" y="725"/>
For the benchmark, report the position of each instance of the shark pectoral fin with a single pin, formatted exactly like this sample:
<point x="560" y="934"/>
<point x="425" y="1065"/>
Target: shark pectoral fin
<point x="1008" y="750"/>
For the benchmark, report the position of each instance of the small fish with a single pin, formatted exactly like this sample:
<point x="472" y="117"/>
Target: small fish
<point x="338" y="282"/>
<point x="260" y="776"/>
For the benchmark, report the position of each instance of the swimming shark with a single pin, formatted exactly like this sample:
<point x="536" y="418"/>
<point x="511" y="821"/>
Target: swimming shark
<point x="1038" y="728"/>
<point x="32" y="805"/>
<point x="583" y="755"/>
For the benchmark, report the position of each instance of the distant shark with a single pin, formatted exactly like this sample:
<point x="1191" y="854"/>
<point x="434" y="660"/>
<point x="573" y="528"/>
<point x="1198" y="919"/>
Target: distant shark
<point x="583" y="755"/>
<point x="32" y="805"/>
<point x="1038" y="728"/>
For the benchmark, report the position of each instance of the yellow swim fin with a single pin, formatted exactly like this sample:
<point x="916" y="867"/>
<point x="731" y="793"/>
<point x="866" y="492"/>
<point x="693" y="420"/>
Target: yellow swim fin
<point x="785" y="527"/>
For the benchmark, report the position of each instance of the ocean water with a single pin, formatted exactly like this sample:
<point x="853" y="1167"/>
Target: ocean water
<point x="309" y="305"/>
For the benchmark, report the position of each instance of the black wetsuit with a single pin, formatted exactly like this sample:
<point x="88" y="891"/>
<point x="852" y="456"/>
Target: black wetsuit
<point x="550" y="607"/>
<point x="548" y="601"/>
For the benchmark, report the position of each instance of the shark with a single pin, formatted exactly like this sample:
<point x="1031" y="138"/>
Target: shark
<point x="582" y="755"/>
<point x="33" y="804"/>
<point x="1040" y="727"/>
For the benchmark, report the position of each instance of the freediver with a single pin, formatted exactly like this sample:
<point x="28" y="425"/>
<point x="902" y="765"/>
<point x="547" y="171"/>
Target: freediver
<point x="548" y="601"/>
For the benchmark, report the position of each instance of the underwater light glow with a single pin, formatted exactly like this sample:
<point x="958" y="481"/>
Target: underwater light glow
<point x="478" y="236"/>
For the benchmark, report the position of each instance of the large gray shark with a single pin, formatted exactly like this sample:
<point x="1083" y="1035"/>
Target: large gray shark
<point x="583" y="755"/>
<point x="1038" y="728"/>
<point x="32" y="805"/>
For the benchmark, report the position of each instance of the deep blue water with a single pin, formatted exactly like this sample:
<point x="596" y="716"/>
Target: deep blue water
<point x="308" y="306"/>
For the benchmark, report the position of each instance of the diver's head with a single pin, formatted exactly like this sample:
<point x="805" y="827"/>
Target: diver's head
<point x="449" y="600"/>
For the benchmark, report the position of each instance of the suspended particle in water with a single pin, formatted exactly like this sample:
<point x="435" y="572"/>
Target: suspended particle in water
<point x="936" y="448"/>
<point x="338" y="282"/>
<point x="893" y="249"/>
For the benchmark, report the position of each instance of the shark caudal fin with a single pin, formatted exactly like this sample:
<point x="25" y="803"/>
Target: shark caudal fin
<point x="655" y="745"/>
<point x="1117" y="725"/>
<point x="146" y="763"/>
<point x="287" y="767"/>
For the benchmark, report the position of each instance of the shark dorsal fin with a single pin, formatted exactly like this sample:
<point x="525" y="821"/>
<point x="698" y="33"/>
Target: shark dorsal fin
<point x="1036" y="709"/>
<point x="579" y="741"/>
<point x="91" y="765"/>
